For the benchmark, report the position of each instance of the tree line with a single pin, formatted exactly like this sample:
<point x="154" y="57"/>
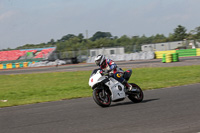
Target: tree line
<point x="100" y="39"/>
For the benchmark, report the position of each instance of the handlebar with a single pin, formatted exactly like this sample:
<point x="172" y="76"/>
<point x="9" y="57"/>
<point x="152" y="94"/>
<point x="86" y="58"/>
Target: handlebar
<point x="107" y="74"/>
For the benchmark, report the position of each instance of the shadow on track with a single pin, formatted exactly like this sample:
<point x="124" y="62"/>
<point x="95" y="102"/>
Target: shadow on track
<point x="130" y="102"/>
<point x="149" y="100"/>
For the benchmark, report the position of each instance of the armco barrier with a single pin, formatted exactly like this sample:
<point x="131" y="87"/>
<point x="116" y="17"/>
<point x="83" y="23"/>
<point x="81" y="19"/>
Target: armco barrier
<point x="198" y="51"/>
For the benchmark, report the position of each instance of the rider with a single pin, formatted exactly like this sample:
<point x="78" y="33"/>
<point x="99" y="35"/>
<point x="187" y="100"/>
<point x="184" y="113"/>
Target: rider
<point x="108" y="66"/>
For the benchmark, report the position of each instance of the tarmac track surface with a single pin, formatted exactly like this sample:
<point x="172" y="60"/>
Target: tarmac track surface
<point x="185" y="61"/>
<point x="167" y="110"/>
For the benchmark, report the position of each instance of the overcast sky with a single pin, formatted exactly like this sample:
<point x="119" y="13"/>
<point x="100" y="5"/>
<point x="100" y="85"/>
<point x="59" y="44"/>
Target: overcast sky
<point x="37" y="21"/>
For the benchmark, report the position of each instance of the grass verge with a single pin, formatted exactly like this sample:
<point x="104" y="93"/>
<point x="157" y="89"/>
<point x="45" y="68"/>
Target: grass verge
<point x="34" y="88"/>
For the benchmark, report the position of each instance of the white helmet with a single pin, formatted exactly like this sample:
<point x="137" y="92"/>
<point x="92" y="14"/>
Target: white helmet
<point x="99" y="59"/>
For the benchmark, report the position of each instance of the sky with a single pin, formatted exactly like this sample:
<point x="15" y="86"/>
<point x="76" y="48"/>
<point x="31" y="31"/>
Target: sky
<point x="38" y="21"/>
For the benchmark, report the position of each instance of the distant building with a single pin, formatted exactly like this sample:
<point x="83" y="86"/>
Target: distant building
<point x="107" y="51"/>
<point x="162" y="46"/>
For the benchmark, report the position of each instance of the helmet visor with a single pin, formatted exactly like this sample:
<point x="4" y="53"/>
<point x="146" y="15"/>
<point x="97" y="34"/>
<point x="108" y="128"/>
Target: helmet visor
<point x="98" y="62"/>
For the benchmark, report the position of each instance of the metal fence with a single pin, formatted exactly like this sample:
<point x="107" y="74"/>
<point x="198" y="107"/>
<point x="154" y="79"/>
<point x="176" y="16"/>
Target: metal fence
<point x="82" y="55"/>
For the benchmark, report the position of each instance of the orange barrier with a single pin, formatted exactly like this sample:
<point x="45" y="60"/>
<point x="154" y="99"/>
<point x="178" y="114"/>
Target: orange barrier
<point x="9" y="66"/>
<point x="1" y="66"/>
<point x="17" y="65"/>
<point x="25" y="64"/>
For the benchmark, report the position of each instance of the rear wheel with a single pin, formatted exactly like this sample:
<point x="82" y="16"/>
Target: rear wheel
<point x="101" y="97"/>
<point x="137" y="96"/>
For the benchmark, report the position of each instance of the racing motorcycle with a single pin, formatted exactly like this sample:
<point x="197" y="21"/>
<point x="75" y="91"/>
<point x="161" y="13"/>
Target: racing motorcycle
<point x="106" y="89"/>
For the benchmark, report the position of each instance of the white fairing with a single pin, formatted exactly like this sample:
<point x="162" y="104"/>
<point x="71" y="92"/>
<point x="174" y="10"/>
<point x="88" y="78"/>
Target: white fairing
<point x="116" y="88"/>
<point x="96" y="78"/>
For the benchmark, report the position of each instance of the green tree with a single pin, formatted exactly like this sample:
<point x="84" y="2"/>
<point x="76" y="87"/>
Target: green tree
<point x="80" y="36"/>
<point x="158" y="38"/>
<point x="123" y="40"/>
<point x="67" y="37"/>
<point x="180" y="33"/>
<point x="100" y="34"/>
<point x="195" y="34"/>
<point x="197" y="29"/>
<point x="52" y="41"/>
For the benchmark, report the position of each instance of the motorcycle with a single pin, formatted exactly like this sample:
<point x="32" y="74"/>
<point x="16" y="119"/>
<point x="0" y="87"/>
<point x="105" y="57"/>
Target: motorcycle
<point x="106" y="89"/>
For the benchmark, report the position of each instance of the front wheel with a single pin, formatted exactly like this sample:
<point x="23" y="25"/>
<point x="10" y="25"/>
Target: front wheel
<point x="138" y="96"/>
<point x="101" y="97"/>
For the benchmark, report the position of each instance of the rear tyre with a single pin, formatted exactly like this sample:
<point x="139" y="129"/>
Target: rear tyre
<point x="136" y="97"/>
<point x="103" y="100"/>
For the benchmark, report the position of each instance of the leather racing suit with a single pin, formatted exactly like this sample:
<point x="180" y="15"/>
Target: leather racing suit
<point x="113" y="69"/>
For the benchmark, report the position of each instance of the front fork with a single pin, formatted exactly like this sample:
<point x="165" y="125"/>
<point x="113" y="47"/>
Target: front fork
<point x="103" y="94"/>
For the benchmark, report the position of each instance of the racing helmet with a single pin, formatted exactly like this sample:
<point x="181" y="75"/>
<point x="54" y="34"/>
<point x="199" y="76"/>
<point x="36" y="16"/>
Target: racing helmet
<point x="100" y="59"/>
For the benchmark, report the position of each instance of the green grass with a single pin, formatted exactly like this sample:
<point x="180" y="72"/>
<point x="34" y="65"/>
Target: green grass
<point x="34" y="88"/>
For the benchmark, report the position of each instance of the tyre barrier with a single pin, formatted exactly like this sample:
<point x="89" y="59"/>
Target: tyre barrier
<point x="159" y="54"/>
<point x="164" y="58"/>
<point x="16" y="65"/>
<point x="32" y="64"/>
<point x="13" y="65"/>
<point x="198" y="51"/>
<point x="181" y="53"/>
<point x="168" y="58"/>
<point x="25" y="64"/>
<point x="175" y="57"/>
<point x="186" y="52"/>
<point x="4" y="66"/>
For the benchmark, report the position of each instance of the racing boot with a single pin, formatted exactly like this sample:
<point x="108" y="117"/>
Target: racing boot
<point x="128" y="86"/>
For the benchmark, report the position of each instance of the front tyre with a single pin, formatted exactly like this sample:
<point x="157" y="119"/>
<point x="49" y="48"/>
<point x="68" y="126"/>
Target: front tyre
<point x="136" y="97"/>
<point x="101" y="97"/>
